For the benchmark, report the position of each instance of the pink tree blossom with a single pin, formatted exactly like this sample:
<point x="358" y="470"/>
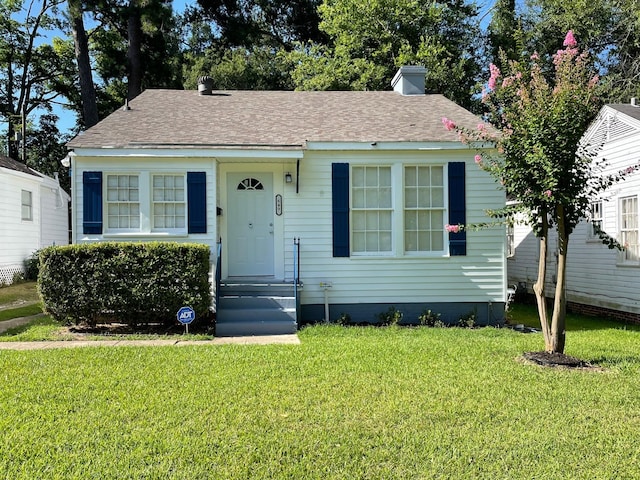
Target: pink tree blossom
<point x="448" y="124"/>
<point x="452" y="228"/>
<point x="495" y="73"/>
<point x="478" y="159"/>
<point x="548" y="193"/>
<point x="569" y="40"/>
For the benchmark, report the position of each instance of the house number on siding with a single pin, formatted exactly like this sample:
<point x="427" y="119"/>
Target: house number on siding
<point x="278" y="204"/>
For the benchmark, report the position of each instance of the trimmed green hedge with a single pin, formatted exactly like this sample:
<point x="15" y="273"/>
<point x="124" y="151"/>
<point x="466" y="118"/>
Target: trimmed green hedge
<point x="132" y="283"/>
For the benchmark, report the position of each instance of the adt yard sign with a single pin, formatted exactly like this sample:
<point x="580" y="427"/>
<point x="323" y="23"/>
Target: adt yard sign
<point x="186" y="315"/>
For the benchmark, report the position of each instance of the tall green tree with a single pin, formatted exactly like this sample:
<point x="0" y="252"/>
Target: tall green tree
<point x="264" y="23"/>
<point x="30" y="70"/>
<point x="504" y="32"/>
<point x="370" y="40"/>
<point x="540" y="159"/>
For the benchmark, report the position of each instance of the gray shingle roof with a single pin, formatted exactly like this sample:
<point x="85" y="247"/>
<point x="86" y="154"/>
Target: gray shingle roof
<point x="627" y="109"/>
<point x="11" y="164"/>
<point x="274" y="119"/>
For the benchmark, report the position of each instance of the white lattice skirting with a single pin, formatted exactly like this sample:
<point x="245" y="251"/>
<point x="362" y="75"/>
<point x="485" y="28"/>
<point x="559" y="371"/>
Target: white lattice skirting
<point x="9" y="272"/>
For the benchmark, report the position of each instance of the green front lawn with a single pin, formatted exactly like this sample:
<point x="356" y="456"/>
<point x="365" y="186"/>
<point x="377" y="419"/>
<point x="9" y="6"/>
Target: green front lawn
<point x="347" y="403"/>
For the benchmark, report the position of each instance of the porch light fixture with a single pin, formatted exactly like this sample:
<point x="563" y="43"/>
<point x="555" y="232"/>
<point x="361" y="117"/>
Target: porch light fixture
<point x="66" y="161"/>
<point x="288" y="178"/>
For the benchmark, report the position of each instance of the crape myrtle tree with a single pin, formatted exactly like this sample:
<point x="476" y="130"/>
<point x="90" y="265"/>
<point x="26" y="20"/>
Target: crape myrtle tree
<point x="538" y="121"/>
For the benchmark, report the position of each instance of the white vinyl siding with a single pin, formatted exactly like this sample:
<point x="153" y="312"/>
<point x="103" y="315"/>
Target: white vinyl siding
<point x="424" y="209"/>
<point x="372" y="210"/>
<point x="123" y="202"/>
<point x="629" y="237"/>
<point x="395" y="277"/>
<point x="27" y="205"/>
<point x="511" y="245"/>
<point x="169" y="204"/>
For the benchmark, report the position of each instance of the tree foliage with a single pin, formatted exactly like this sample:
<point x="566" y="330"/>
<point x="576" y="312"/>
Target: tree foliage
<point x="370" y="40"/>
<point x="30" y="70"/>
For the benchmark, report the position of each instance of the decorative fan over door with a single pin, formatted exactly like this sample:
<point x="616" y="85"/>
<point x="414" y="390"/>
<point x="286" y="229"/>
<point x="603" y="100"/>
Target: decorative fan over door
<point x="250" y="224"/>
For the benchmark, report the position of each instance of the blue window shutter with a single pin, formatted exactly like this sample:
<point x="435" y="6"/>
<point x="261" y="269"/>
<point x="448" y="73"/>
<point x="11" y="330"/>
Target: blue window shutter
<point x="457" y="213"/>
<point x="340" y="208"/>
<point x="91" y="202"/>
<point x="197" y="202"/>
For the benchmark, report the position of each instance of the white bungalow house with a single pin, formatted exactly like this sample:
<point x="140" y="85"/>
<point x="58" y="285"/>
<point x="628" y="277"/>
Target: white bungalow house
<point x="347" y="193"/>
<point x="599" y="280"/>
<point x="34" y="215"/>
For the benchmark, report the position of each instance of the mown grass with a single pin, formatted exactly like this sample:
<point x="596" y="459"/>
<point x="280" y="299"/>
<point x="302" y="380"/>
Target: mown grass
<point x="392" y="403"/>
<point x="527" y="314"/>
<point x="25" y="291"/>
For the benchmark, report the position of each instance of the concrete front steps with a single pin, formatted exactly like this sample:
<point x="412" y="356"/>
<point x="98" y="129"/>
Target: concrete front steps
<point x="255" y="307"/>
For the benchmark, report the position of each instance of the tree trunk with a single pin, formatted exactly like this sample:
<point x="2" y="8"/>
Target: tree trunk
<point x="538" y="287"/>
<point x="134" y="51"/>
<point x="558" y="332"/>
<point x="81" y="44"/>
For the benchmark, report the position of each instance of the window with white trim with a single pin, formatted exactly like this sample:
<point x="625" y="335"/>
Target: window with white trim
<point x="123" y="202"/>
<point x="371" y="210"/>
<point x="26" y="205"/>
<point x="169" y="204"/>
<point x="595" y="221"/>
<point x="511" y="241"/>
<point x="424" y="209"/>
<point x="629" y="231"/>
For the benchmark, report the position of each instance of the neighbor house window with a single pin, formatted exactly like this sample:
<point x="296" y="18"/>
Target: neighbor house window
<point x="595" y="220"/>
<point x="123" y="202"/>
<point x="27" y="205"/>
<point x="371" y="210"/>
<point x="629" y="236"/>
<point x="169" y="207"/>
<point x="511" y="243"/>
<point x="424" y="209"/>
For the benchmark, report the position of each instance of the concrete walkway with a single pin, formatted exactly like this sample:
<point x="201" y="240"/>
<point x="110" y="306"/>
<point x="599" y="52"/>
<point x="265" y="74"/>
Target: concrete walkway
<point x="253" y="340"/>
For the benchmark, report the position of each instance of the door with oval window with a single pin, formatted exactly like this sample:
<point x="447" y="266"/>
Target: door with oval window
<point x="250" y="224"/>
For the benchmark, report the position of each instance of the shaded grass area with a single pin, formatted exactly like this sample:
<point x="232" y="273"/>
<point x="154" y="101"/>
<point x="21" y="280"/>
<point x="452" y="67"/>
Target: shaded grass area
<point x="393" y="403"/>
<point x="26" y="292"/>
<point x="24" y="311"/>
<point x="47" y="329"/>
<point x="527" y="314"/>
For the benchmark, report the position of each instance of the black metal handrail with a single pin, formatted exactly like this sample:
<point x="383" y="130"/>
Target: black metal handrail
<point x="296" y="273"/>
<point x="218" y="270"/>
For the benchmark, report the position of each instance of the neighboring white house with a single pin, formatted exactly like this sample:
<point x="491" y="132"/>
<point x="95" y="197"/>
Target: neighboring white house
<point x="34" y="214"/>
<point x="366" y="180"/>
<point x="599" y="280"/>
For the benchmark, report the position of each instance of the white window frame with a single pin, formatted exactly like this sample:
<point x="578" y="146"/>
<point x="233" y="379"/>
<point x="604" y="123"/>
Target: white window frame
<point x="179" y="200"/>
<point x="430" y="210"/>
<point x="595" y="218"/>
<point x="358" y="200"/>
<point x="629" y="230"/>
<point x="118" y="202"/>
<point x="26" y="205"/>
<point x="511" y="240"/>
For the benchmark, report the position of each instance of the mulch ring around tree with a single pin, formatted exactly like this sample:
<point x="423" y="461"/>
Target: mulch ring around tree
<point x="559" y="360"/>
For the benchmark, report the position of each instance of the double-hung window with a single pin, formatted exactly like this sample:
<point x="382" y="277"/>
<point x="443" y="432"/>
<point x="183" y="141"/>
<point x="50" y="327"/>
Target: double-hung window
<point x="169" y="207"/>
<point x="27" y="205"/>
<point x="595" y="221"/>
<point x="123" y="202"/>
<point x="629" y="229"/>
<point x="424" y="209"/>
<point x="371" y="210"/>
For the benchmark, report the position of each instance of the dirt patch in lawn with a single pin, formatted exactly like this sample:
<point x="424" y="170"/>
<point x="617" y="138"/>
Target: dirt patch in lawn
<point x="559" y="360"/>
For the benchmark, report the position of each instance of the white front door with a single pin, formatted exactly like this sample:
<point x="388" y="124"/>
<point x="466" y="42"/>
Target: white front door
<point x="250" y="224"/>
